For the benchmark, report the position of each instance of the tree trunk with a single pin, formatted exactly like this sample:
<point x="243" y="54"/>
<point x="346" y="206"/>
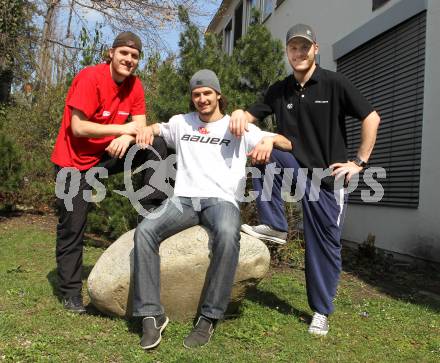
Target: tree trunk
<point x="6" y="76"/>
<point x="45" y="64"/>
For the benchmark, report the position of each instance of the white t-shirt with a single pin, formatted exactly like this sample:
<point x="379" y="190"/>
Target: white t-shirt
<point x="210" y="160"/>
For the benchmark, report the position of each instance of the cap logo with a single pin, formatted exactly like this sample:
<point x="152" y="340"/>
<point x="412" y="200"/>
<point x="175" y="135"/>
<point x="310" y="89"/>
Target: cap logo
<point x="198" y="83"/>
<point x="309" y="32"/>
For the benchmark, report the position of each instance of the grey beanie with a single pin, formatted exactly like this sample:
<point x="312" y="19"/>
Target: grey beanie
<point x="205" y="78"/>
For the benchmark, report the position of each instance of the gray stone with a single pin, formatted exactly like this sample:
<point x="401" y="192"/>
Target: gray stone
<point x="184" y="262"/>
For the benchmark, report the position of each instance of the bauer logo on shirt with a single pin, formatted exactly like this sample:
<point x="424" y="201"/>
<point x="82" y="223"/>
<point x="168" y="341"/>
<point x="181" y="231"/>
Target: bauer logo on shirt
<point x="205" y="139"/>
<point x="203" y="130"/>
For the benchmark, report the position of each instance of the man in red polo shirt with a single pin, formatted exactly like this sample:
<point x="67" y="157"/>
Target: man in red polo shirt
<point x="95" y="132"/>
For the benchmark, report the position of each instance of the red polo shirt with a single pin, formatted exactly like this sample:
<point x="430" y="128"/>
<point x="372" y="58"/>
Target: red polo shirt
<point x="95" y="93"/>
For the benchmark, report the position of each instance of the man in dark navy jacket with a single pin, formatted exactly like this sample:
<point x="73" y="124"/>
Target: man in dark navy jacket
<point x="310" y="107"/>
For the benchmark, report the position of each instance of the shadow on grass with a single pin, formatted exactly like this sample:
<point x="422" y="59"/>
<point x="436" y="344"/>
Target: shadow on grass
<point x="261" y="297"/>
<point x="413" y="282"/>
<point x="6" y="213"/>
<point x="134" y="325"/>
<point x="272" y="301"/>
<point x="52" y="277"/>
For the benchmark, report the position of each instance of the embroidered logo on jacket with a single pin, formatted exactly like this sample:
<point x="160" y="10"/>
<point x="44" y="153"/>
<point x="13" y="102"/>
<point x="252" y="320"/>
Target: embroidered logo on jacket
<point x="106" y="114"/>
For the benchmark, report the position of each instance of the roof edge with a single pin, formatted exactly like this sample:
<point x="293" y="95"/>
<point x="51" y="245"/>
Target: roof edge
<point x="218" y="15"/>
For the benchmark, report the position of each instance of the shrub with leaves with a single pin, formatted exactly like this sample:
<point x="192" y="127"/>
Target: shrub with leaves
<point x="10" y="171"/>
<point x="114" y="215"/>
<point x="256" y="62"/>
<point x="34" y="131"/>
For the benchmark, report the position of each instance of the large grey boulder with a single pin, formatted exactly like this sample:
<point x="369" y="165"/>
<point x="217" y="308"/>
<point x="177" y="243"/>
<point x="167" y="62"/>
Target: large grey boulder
<point x="184" y="262"/>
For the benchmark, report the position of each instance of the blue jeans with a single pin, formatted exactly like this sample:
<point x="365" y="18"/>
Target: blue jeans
<point x="221" y="218"/>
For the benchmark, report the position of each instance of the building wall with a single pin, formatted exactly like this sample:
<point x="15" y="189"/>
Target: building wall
<point x="324" y="19"/>
<point x="415" y="232"/>
<point x="426" y="233"/>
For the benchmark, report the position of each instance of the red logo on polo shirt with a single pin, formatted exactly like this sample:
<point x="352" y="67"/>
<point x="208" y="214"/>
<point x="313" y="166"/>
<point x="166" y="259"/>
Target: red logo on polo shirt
<point x="203" y="130"/>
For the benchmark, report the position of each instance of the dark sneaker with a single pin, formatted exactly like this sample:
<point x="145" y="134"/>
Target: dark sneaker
<point x="152" y="328"/>
<point x="201" y="333"/>
<point x="74" y="304"/>
<point x="265" y="233"/>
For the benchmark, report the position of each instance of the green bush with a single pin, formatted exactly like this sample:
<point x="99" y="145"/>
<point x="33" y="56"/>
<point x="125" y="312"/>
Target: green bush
<point x="10" y="171"/>
<point x="115" y="215"/>
<point x="292" y="253"/>
<point x="256" y="62"/>
<point x="34" y="132"/>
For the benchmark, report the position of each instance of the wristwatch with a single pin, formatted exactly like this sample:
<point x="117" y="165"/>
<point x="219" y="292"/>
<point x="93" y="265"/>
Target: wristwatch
<point x="359" y="162"/>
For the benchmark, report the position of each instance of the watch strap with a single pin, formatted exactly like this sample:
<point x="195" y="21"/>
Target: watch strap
<point x="359" y="162"/>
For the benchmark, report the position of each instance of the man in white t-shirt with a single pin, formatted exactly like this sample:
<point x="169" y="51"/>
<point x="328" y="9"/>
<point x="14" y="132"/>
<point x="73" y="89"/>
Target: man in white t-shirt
<point x="210" y="174"/>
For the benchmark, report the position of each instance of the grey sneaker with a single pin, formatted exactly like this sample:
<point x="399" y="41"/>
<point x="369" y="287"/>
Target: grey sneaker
<point x="201" y="333"/>
<point x="265" y="233"/>
<point x="74" y="304"/>
<point x="152" y="328"/>
<point x="319" y="325"/>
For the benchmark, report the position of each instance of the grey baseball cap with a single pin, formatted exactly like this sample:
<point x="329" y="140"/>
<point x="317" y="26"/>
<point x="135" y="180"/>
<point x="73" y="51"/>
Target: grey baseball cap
<point x="302" y="31"/>
<point x="205" y="78"/>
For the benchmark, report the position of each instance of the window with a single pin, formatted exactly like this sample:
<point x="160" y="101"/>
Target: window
<point x="249" y="5"/>
<point x="378" y="3"/>
<point x="227" y="45"/>
<point x="389" y="71"/>
<point x="278" y="3"/>
<point x="267" y="8"/>
<point x="238" y="23"/>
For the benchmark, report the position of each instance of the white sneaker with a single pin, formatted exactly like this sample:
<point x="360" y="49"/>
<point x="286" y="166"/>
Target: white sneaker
<point x="266" y="233"/>
<point x="319" y="325"/>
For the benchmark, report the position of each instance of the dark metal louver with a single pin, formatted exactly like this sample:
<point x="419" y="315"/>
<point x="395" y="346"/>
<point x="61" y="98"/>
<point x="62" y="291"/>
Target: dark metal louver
<point x="389" y="71"/>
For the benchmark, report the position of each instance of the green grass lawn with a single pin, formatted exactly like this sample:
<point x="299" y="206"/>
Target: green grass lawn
<point x="369" y="325"/>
